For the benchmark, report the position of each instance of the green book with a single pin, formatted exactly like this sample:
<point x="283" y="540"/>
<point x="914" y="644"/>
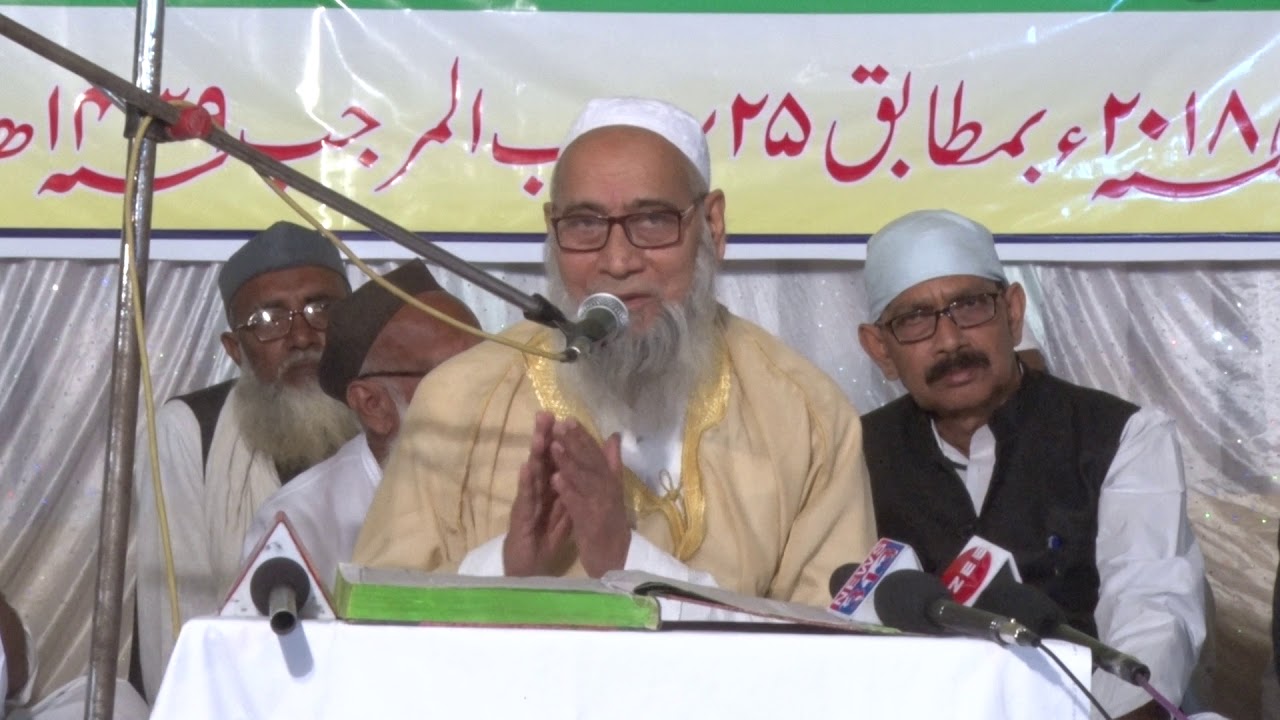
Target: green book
<point x="390" y="595"/>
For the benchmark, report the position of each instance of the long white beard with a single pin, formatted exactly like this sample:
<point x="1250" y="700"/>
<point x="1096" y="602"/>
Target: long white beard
<point x="642" y="382"/>
<point x="296" y="427"/>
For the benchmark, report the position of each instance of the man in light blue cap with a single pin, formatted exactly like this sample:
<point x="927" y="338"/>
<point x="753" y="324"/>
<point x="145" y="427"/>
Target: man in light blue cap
<point x="226" y="448"/>
<point x="1085" y="489"/>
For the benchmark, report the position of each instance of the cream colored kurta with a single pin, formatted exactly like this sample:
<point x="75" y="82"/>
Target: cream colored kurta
<point x="775" y="485"/>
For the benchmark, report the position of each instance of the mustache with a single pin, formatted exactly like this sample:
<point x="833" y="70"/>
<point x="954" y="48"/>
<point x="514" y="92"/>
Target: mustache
<point x="959" y="360"/>
<point x="296" y="358"/>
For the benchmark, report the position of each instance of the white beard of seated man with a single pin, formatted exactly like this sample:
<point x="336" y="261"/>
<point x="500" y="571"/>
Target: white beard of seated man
<point x="296" y="426"/>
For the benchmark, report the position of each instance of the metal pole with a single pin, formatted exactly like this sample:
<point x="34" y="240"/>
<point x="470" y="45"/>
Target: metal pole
<point x="117" y="490"/>
<point x="534" y="307"/>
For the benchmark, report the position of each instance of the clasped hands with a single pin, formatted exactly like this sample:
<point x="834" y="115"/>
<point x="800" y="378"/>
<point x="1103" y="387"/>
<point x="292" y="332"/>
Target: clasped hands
<point x="569" y="494"/>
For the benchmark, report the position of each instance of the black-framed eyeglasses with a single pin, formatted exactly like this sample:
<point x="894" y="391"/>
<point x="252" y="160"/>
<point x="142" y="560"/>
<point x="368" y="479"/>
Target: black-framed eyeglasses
<point x="273" y="323"/>
<point x="966" y="312"/>
<point x="647" y="229"/>
<point x="392" y="373"/>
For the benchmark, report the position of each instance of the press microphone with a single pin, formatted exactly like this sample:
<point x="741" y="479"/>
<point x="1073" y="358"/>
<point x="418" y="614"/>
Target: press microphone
<point x="853" y="586"/>
<point x="1037" y="611"/>
<point x="977" y="565"/>
<point x="601" y="317"/>
<point x="279" y="587"/>
<point x="915" y="601"/>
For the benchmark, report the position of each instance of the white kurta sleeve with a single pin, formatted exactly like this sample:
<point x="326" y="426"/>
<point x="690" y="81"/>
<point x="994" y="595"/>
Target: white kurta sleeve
<point x="23" y="695"/>
<point x="642" y="555"/>
<point x="4" y="680"/>
<point x="485" y="560"/>
<point x="1151" y="601"/>
<point x="263" y="520"/>
<point x="182" y="476"/>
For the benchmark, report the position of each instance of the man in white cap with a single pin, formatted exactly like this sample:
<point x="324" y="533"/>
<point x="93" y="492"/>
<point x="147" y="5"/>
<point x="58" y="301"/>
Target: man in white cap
<point x="1086" y="490"/>
<point x="226" y="448"/>
<point x="694" y="446"/>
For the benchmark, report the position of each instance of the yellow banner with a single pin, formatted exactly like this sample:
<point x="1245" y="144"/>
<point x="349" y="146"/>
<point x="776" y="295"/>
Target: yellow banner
<point x="1130" y="134"/>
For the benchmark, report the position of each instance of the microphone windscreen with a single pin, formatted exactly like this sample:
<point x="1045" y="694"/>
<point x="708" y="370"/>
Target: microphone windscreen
<point x="1004" y="596"/>
<point x="975" y="567"/>
<point x="276" y="572"/>
<point x="903" y="600"/>
<point x="606" y="314"/>
<point x="840" y="577"/>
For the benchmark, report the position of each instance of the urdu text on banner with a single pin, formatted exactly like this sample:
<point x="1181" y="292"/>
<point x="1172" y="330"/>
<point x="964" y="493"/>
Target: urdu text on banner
<point x="1142" y="130"/>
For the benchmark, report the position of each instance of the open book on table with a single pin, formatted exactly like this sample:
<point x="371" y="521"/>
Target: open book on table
<point x="619" y="600"/>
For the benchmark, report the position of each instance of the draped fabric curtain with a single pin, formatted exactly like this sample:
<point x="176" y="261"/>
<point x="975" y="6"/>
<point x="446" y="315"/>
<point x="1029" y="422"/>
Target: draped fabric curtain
<point x="1199" y="340"/>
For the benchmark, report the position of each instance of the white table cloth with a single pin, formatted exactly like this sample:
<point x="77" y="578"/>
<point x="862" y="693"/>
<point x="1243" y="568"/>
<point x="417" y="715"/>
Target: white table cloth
<point x="232" y="668"/>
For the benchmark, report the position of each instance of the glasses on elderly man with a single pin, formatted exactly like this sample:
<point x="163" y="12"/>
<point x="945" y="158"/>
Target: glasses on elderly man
<point x="647" y="229"/>
<point x="393" y="373"/>
<point x="273" y="323"/>
<point x="966" y="312"/>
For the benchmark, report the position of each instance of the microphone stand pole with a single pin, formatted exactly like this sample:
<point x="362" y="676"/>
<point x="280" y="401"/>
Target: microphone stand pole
<point x="137" y="100"/>
<point x="117" y="485"/>
<point x="535" y="307"/>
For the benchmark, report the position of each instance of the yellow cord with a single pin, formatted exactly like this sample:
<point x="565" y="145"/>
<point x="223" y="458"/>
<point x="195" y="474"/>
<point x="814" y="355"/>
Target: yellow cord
<point x="147" y="394"/>
<point x="409" y="299"/>
<point x="139" y="326"/>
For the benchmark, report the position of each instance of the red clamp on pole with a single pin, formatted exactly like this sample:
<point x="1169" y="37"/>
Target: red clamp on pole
<point x="194" y="122"/>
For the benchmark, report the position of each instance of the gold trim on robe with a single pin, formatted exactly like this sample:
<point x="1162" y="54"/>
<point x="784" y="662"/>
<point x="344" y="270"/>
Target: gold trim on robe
<point x="685" y="507"/>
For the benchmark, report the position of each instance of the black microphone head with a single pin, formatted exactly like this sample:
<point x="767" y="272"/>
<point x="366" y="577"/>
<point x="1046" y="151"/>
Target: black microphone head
<point x="841" y="576"/>
<point x="1010" y="598"/>
<point x="275" y="572"/>
<point x="903" y="598"/>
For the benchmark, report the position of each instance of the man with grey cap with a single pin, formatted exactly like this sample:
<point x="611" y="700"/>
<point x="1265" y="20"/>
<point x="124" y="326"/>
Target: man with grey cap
<point x="377" y="351"/>
<point x="226" y="448"/>
<point x="1085" y="489"/>
<point x="695" y="445"/>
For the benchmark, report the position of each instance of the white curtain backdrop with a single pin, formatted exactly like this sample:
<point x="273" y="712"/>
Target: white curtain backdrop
<point x="1200" y="340"/>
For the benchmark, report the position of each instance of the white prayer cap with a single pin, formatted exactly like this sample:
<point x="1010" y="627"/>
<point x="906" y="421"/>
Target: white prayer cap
<point x="675" y="125"/>
<point x="924" y="245"/>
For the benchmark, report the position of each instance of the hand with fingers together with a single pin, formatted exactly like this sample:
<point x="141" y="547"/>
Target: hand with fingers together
<point x="588" y="482"/>
<point x="539" y="528"/>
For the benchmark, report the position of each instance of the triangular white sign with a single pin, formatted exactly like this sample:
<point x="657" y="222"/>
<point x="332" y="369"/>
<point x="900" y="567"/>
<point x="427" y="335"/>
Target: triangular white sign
<point x="280" y="541"/>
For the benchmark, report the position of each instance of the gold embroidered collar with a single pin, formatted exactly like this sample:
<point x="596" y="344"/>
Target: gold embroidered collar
<point x="685" y="507"/>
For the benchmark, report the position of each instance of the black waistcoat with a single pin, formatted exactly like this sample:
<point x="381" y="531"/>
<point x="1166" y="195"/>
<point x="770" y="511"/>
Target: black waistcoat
<point x="206" y="405"/>
<point x="1054" y="444"/>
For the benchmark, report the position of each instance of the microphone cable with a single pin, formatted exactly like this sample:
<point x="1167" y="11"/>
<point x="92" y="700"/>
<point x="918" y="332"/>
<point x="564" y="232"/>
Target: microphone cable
<point x="148" y="395"/>
<point x="1054" y="657"/>
<point x="406" y="297"/>
<point x="131" y="258"/>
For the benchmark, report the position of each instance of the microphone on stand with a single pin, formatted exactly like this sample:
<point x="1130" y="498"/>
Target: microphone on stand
<point x="1037" y="611"/>
<point x="985" y="576"/>
<point x="601" y="317"/>
<point x="853" y="586"/>
<point x="915" y="601"/>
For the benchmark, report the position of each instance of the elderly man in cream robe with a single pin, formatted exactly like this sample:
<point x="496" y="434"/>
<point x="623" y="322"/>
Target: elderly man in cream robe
<point x="695" y="446"/>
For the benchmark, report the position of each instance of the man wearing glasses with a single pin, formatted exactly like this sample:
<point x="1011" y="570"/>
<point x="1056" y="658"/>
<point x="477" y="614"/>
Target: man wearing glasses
<point x="695" y="445"/>
<point x="226" y="448"/>
<point x="378" y="350"/>
<point x="1086" y="490"/>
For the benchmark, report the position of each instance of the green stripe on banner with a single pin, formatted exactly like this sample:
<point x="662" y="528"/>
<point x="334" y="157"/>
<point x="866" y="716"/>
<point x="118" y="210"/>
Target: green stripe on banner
<point x="836" y="7"/>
